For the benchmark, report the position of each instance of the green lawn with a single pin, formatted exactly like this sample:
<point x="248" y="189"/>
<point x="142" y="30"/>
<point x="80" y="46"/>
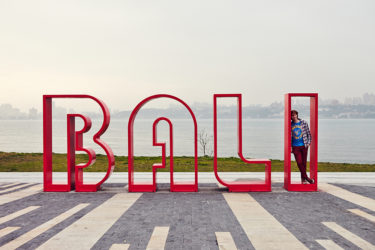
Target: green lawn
<point x="33" y="162"/>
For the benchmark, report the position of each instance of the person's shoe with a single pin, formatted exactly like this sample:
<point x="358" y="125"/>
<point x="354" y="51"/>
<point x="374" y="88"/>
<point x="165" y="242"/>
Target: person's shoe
<point x="303" y="181"/>
<point x="311" y="181"/>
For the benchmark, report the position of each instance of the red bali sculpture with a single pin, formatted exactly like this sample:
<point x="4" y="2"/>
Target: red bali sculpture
<point x="152" y="186"/>
<point x="288" y="185"/>
<point x="240" y="186"/>
<point x="75" y="143"/>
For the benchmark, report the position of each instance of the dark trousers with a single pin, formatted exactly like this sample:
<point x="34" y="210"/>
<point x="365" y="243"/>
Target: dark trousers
<point x="300" y="154"/>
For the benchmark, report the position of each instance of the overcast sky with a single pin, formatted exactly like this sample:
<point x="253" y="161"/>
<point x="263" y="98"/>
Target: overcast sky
<point x="123" y="51"/>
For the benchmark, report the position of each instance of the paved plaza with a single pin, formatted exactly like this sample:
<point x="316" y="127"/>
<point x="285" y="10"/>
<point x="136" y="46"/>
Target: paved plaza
<point x="340" y="216"/>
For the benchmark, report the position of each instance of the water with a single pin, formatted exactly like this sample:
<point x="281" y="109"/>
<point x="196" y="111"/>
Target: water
<point x="350" y="141"/>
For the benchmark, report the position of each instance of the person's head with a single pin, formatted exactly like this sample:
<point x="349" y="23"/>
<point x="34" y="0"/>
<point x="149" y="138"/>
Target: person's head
<point x="294" y="115"/>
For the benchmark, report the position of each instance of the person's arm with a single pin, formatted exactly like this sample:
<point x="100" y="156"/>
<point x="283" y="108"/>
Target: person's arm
<point x="308" y="134"/>
<point x="291" y="140"/>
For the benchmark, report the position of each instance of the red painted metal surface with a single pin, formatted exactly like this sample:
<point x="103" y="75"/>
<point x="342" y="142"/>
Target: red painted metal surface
<point x="240" y="186"/>
<point x="152" y="186"/>
<point x="74" y="143"/>
<point x="288" y="185"/>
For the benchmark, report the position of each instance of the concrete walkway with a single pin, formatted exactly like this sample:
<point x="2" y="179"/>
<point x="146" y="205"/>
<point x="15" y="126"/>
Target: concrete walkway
<point x="340" y="216"/>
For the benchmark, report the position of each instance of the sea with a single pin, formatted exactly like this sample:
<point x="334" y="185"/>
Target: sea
<point x="339" y="140"/>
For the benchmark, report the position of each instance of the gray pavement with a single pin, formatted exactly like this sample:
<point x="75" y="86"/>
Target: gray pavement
<point x="192" y="218"/>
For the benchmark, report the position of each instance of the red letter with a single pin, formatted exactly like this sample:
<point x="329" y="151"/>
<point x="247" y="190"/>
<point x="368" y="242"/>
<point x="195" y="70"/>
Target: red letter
<point x="151" y="187"/>
<point x="240" y="186"/>
<point x="313" y="147"/>
<point x="75" y="143"/>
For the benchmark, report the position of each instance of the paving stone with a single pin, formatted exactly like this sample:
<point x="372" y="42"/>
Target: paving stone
<point x="302" y="214"/>
<point x="366" y="191"/>
<point x="51" y="205"/>
<point x="194" y="218"/>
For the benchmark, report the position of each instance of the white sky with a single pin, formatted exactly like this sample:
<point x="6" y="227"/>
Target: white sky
<point x="123" y="51"/>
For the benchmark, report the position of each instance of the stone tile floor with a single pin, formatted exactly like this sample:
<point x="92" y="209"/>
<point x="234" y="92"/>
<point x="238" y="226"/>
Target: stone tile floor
<point x="192" y="218"/>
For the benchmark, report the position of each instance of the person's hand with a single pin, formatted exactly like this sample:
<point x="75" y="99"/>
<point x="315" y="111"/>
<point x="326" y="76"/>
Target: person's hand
<point x="307" y="146"/>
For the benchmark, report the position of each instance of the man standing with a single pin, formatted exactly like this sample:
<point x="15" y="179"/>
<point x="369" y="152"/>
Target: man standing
<point x="301" y="140"/>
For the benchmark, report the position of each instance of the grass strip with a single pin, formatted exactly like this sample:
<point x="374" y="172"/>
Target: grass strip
<point x="33" y="162"/>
